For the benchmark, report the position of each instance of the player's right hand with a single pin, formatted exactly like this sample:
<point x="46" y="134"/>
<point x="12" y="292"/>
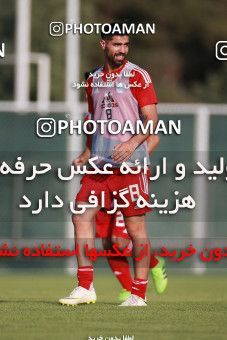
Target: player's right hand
<point x="78" y="161"/>
<point x="82" y="159"/>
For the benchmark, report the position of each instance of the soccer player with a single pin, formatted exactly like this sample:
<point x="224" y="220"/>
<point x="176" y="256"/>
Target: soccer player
<point x="111" y="229"/>
<point x="131" y="98"/>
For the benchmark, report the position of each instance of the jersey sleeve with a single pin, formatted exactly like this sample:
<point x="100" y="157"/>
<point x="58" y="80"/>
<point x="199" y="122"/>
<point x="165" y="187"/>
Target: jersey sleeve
<point x="145" y="93"/>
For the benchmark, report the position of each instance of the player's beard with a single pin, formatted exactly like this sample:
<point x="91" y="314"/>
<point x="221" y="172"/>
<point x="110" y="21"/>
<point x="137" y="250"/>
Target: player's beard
<point x="116" y="60"/>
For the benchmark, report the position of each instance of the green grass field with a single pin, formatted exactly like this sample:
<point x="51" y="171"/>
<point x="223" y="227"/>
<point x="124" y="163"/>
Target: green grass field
<point x="195" y="307"/>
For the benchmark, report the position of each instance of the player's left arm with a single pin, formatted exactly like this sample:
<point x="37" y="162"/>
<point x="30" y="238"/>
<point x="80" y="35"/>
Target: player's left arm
<point x="123" y="151"/>
<point x="147" y="100"/>
<point x="152" y="143"/>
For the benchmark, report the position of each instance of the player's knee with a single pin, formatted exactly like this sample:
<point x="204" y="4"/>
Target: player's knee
<point x="135" y="226"/>
<point x="120" y="241"/>
<point x="135" y="231"/>
<point x="78" y="220"/>
<point x="75" y="219"/>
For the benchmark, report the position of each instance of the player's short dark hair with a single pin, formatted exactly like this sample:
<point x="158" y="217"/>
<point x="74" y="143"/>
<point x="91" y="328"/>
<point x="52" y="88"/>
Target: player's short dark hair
<point x="108" y="36"/>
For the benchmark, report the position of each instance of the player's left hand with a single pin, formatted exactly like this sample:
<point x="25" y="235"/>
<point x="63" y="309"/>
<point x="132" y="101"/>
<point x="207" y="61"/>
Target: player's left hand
<point x="123" y="151"/>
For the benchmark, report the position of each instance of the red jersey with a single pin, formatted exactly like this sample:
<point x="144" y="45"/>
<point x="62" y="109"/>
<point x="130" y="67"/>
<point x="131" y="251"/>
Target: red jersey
<point x="118" y="96"/>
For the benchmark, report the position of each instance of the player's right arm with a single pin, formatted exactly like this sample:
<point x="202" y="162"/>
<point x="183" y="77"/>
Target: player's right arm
<point x="82" y="159"/>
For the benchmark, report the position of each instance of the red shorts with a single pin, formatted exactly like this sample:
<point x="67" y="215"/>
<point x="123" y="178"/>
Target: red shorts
<point x="133" y="186"/>
<point x="108" y="225"/>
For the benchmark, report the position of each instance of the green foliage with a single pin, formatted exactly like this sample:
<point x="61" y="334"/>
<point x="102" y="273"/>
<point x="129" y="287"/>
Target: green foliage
<point x="180" y="56"/>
